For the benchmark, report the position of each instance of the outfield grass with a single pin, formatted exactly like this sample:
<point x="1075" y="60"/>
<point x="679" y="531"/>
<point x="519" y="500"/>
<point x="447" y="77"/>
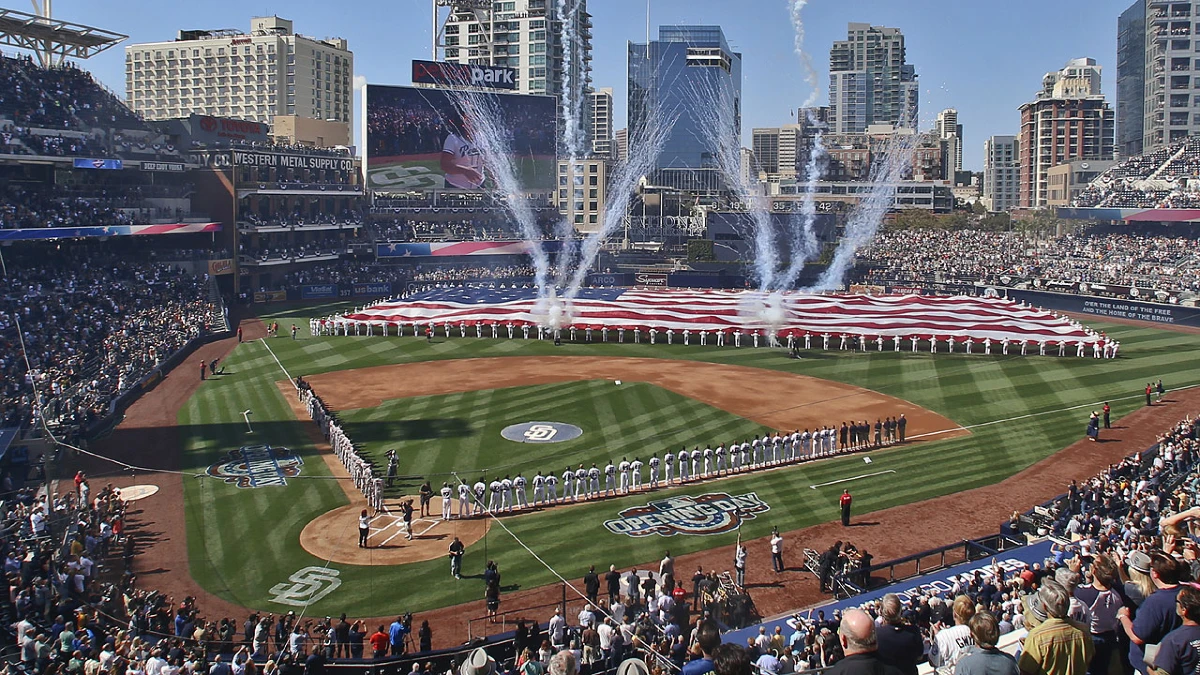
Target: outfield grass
<point x="243" y="541"/>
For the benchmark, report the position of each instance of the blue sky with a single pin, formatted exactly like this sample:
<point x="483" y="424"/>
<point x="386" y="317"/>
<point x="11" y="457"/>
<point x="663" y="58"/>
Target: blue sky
<point x="983" y="58"/>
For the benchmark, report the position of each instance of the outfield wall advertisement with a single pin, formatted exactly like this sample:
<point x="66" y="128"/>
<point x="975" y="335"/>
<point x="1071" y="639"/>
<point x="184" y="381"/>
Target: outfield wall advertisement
<point x="416" y="139"/>
<point x="1110" y="307"/>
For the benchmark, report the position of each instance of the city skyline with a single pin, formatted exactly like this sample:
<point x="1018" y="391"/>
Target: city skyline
<point x="974" y="66"/>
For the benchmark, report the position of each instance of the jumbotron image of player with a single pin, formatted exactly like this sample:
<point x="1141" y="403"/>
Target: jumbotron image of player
<point x="461" y="161"/>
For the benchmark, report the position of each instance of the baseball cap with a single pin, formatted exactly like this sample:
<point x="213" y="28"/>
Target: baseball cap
<point x="1137" y="560"/>
<point x="1033" y="604"/>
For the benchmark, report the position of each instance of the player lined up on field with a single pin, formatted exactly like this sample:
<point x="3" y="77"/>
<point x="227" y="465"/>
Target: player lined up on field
<point x="500" y="495"/>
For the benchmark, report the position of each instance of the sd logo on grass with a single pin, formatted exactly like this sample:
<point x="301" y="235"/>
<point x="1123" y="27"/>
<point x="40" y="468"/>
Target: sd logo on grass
<point x="541" y="432"/>
<point x="254" y="466"/>
<point x="707" y="514"/>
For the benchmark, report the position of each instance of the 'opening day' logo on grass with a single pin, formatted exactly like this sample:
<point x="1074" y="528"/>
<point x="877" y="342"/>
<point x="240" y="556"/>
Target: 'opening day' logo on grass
<point x="707" y="514"/>
<point x="254" y="466"/>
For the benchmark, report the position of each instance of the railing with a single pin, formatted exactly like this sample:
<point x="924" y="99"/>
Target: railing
<point x="924" y="562"/>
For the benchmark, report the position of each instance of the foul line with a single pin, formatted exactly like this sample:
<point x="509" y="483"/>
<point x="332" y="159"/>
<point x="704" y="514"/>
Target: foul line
<point x="1038" y="414"/>
<point x="846" y="480"/>
<point x="285" y="372"/>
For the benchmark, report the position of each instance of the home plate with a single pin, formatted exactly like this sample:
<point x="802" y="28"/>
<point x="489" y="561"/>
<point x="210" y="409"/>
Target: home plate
<point x="136" y="492"/>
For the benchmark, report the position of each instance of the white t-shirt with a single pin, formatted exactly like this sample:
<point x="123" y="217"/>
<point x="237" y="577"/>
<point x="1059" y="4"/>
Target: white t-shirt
<point x="465" y="156"/>
<point x="950" y="645"/>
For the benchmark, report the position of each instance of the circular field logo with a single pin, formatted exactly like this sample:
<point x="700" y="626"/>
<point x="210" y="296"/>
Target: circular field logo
<point x="541" y="432"/>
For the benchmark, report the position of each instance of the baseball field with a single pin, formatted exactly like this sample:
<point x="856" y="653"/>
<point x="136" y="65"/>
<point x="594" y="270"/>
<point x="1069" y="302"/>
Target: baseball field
<point x="975" y="420"/>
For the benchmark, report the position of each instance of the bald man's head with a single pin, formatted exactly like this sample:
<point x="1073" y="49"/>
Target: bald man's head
<point x="857" y="632"/>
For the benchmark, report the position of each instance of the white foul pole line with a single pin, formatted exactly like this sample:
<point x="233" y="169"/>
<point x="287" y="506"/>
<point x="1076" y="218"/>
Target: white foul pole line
<point x="846" y="480"/>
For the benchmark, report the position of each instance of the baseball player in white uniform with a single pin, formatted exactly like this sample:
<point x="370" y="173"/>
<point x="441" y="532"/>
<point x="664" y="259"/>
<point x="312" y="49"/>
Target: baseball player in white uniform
<point x="695" y="470"/>
<point x="506" y="494"/>
<point x="654" y="464"/>
<point x="635" y="468"/>
<point x="684" y="463"/>
<point x="464" y="500"/>
<point x="539" y="489"/>
<point x="568" y="478"/>
<point x="720" y="457"/>
<point x="623" y="475"/>
<point x="580" y="482"/>
<point x="551" y="485"/>
<point x="494" y="504"/>
<point x="593" y="482"/>
<point x="610" y="479"/>
<point x="707" y="461"/>
<point x="480" y="489"/>
<point x="447" y="500"/>
<point x="668" y="466"/>
<point x="519" y="487"/>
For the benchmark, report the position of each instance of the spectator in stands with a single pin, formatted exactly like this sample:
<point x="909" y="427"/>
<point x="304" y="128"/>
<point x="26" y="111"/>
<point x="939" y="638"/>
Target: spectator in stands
<point x="1103" y="601"/>
<point x="983" y="658"/>
<point x="900" y="643"/>
<point x="859" y="644"/>
<point x="1177" y="653"/>
<point x="950" y="644"/>
<point x="708" y="637"/>
<point x="1056" y="646"/>
<point x="731" y="659"/>
<point x="1156" y="616"/>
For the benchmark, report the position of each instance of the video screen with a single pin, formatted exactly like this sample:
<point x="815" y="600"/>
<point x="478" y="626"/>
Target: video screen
<point x="416" y="140"/>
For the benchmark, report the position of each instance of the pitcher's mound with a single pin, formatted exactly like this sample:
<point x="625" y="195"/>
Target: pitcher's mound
<point x="334" y="536"/>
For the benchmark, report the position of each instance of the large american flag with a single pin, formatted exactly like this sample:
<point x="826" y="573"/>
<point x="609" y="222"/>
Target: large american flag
<point x="904" y="316"/>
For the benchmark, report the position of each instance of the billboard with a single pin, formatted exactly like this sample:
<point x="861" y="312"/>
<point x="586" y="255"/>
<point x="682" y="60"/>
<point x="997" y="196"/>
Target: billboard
<point x="461" y="74"/>
<point x="416" y="140"/>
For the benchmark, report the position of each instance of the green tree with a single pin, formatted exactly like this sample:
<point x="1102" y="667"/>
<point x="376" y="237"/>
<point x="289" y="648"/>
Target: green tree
<point x="700" y="250"/>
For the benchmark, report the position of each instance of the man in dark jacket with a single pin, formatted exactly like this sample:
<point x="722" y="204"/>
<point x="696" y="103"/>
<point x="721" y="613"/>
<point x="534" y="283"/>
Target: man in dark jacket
<point x="900" y="644"/>
<point x="859" y="642"/>
<point x="591" y="584"/>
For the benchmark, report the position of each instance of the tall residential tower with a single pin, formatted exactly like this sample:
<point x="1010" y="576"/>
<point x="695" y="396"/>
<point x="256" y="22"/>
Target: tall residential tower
<point x="1067" y="120"/>
<point x="870" y="82"/>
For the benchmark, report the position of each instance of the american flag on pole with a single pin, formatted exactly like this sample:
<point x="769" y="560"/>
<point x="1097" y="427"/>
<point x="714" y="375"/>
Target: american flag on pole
<point x="906" y="316"/>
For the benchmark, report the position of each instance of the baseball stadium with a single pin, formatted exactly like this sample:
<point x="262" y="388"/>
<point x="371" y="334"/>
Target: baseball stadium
<point x="272" y="406"/>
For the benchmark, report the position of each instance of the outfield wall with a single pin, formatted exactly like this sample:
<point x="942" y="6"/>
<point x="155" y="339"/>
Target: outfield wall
<point x="1109" y="307"/>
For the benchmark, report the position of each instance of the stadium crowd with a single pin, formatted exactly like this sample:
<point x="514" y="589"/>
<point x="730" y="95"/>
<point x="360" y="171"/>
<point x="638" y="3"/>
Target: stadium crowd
<point x="1127" y="540"/>
<point x="469" y="229"/>
<point x="93" y="325"/>
<point x="1165" y="178"/>
<point x="42" y="103"/>
<point x="347" y="217"/>
<point x="1146" y="260"/>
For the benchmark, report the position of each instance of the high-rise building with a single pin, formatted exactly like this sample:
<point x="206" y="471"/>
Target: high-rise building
<point x="1001" y="173"/>
<point x="252" y="76"/>
<point x="680" y="73"/>
<point x="526" y="35"/>
<point x="951" y="134"/>
<point x="1131" y="79"/>
<point x="765" y="144"/>
<point x="601" y="127"/>
<point x="1169" y="73"/>
<point x="870" y="82"/>
<point x="1068" y="120"/>
<point x="622" y="144"/>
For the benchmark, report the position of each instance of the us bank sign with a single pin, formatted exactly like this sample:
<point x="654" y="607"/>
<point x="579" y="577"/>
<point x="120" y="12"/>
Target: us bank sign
<point x="712" y="513"/>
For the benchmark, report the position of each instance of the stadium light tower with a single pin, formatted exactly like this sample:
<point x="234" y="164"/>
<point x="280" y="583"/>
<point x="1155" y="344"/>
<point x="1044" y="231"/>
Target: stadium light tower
<point x="51" y="39"/>
<point x="482" y="13"/>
